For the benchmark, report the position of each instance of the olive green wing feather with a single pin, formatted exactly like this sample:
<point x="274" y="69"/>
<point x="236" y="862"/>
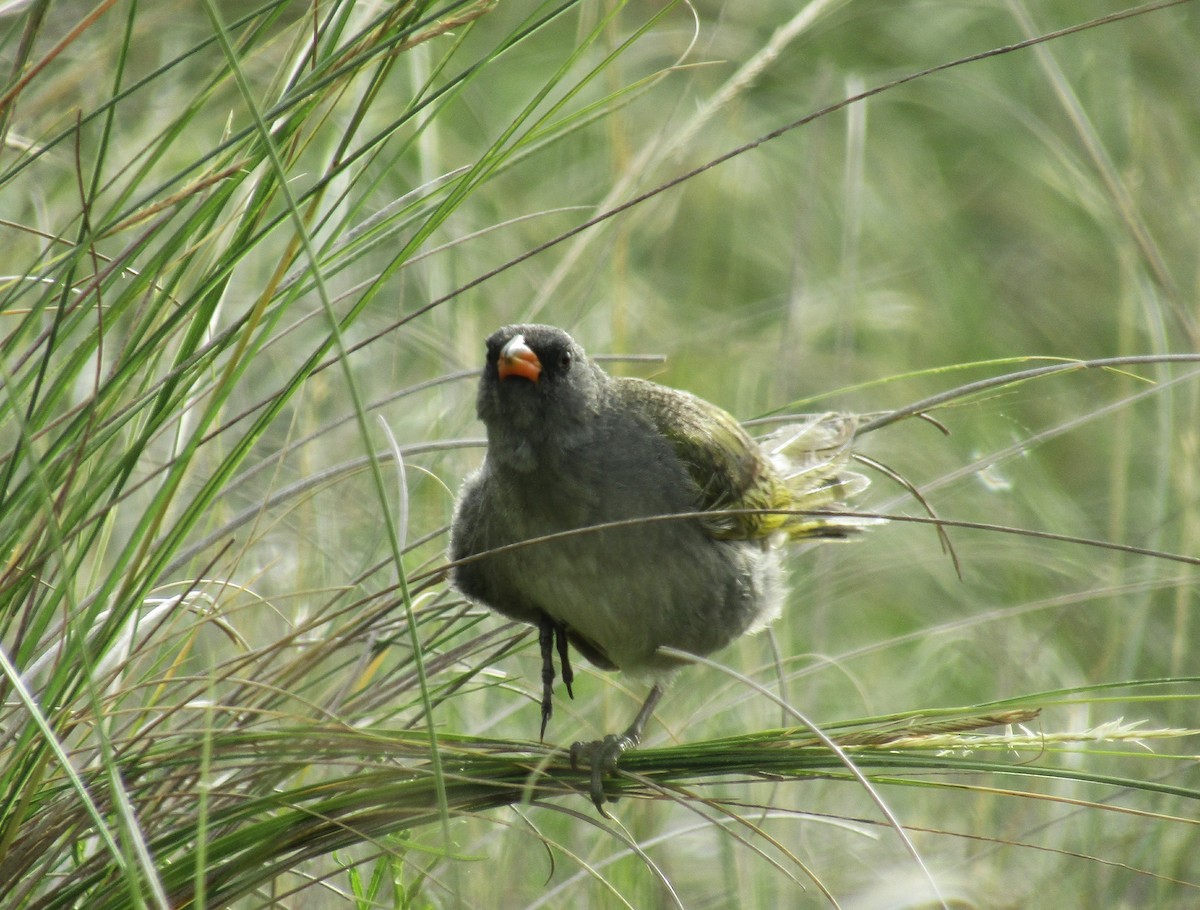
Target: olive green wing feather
<point x="811" y="457"/>
<point x="798" y="468"/>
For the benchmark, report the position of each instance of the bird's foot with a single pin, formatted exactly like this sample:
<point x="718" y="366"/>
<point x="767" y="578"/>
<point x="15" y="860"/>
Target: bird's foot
<point x="602" y="756"/>
<point x="553" y="634"/>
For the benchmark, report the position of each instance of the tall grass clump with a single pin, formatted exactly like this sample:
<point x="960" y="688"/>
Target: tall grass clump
<point x="248" y="255"/>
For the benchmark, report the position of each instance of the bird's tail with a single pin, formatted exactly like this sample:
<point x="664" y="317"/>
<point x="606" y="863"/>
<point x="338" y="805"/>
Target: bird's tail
<point x="812" y="457"/>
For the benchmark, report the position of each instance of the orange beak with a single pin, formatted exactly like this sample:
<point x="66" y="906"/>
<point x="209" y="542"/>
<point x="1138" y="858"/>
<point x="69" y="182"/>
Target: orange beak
<point x="517" y="359"/>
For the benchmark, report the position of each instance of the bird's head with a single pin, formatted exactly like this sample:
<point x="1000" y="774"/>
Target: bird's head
<point x="538" y="389"/>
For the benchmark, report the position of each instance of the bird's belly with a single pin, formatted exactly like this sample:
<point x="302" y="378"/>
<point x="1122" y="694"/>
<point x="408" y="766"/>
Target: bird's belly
<point x="630" y="592"/>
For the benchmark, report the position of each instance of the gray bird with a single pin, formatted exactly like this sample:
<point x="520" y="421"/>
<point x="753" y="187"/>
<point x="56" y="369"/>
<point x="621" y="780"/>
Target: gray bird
<point x="571" y="447"/>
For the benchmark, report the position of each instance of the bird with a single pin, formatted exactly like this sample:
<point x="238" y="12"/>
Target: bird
<point x="619" y="516"/>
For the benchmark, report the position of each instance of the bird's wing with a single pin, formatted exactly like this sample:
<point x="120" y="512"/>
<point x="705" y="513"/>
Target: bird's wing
<point x="812" y="458"/>
<point x="727" y="467"/>
<point x="800" y="467"/>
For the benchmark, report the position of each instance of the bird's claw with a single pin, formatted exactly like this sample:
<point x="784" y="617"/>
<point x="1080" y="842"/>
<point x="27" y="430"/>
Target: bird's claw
<point x="553" y="634"/>
<point x="602" y="756"/>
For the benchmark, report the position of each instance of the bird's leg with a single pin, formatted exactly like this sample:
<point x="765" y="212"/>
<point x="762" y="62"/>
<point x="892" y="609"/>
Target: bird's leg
<point x="564" y="657"/>
<point x="550" y="635"/>
<point x="546" y="630"/>
<point x="553" y="635"/>
<point x="603" y="754"/>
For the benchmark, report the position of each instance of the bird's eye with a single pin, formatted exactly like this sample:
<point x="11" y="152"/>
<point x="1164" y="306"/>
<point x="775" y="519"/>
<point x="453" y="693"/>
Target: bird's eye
<point x="564" y="360"/>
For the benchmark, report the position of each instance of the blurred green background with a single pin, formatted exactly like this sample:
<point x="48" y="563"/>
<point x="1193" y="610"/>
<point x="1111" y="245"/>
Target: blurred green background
<point x="180" y="420"/>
